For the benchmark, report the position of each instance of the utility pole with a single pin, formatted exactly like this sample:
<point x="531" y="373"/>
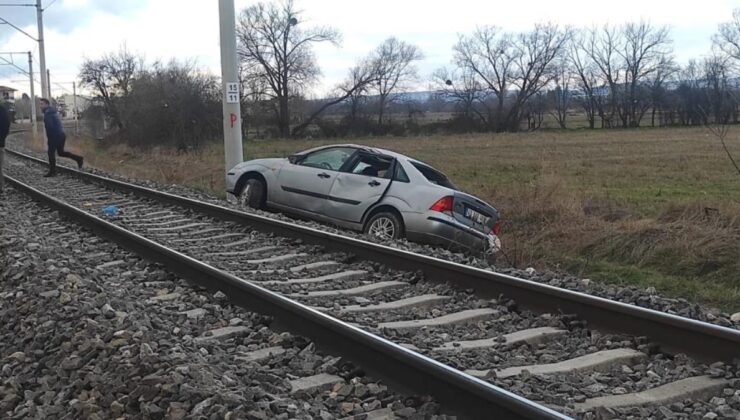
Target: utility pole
<point x="45" y="88"/>
<point x="33" y="95"/>
<point x="229" y="78"/>
<point x="74" y="109"/>
<point x="48" y="84"/>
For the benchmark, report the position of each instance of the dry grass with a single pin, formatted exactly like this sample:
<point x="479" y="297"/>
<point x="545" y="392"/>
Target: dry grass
<point x="652" y="207"/>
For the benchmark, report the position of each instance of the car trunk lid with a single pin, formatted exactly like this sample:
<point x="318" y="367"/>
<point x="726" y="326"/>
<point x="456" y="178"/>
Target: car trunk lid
<point x="474" y="213"/>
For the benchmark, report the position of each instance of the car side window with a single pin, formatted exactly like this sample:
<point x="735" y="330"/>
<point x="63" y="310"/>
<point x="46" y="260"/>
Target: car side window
<point x="375" y="166"/>
<point x="332" y="158"/>
<point x="400" y="174"/>
<point x="434" y="176"/>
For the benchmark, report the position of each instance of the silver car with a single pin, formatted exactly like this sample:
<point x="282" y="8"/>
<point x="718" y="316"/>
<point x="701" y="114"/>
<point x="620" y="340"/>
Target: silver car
<point x="372" y="190"/>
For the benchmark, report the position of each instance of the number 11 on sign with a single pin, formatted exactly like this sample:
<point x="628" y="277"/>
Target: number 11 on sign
<point x="232" y="93"/>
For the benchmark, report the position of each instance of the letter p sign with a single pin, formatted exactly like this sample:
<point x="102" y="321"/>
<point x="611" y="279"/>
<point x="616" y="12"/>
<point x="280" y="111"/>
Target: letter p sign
<point x="232" y="119"/>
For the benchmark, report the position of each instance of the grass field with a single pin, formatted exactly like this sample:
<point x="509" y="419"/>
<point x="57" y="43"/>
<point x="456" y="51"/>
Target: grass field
<point x="649" y="207"/>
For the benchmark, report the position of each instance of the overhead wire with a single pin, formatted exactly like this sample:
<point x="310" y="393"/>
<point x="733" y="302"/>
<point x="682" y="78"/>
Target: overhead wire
<point x="60" y="86"/>
<point x="20" y="69"/>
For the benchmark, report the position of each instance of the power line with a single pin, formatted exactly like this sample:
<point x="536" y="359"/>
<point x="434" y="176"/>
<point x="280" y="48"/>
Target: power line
<point x="63" y="88"/>
<point x="18" y="29"/>
<point x="10" y="63"/>
<point x="48" y="5"/>
<point x="39" y="40"/>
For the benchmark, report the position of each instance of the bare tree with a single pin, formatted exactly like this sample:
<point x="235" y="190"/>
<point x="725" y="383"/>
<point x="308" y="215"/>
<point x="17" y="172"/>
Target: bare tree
<point x="175" y="104"/>
<point x="358" y="76"/>
<point x="646" y="50"/>
<point x="111" y="78"/>
<point x="603" y="46"/>
<point x="656" y="84"/>
<point x="561" y="95"/>
<point x="270" y="37"/>
<point x="586" y="73"/>
<point x="359" y="79"/>
<point x="394" y="61"/>
<point x="503" y="61"/>
<point x="721" y="101"/>
<point x="464" y="89"/>
<point x="728" y="37"/>
<point x="534" y="64"/>
<point x="488" y="55"/>
<point x="720" y="131"/>
<point x="257" y="103"/>
<point x="689" y="95"/>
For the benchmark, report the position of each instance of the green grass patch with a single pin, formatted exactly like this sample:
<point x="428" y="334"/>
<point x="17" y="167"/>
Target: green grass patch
<point x="713" y="292"/>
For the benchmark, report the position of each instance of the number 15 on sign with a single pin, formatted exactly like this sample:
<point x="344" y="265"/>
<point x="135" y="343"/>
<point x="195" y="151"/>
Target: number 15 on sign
<point x="232" y="93"/>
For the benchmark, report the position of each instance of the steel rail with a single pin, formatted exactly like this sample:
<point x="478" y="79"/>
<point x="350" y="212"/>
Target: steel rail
<point x="704" y="341"/>
<point x="461" y="392"/>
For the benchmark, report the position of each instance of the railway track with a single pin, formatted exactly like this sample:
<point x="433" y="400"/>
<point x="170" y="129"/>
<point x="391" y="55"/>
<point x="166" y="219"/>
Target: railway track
<point x="434" y="326"/>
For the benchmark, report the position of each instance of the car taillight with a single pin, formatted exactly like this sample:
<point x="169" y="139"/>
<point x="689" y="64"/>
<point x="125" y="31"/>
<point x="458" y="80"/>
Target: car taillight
<point x="496" y="227"/>
<point x="443" y="205"/>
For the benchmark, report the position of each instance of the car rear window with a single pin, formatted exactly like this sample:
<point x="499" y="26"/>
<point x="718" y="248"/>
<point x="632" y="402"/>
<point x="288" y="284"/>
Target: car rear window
<point x="434" y="176"/>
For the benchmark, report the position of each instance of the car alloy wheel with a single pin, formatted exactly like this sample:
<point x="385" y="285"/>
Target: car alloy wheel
<point x="383" y="228"/>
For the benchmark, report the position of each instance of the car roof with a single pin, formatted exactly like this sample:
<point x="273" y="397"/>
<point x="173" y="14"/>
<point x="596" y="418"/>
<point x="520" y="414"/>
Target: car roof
<point x="375" y="150"/>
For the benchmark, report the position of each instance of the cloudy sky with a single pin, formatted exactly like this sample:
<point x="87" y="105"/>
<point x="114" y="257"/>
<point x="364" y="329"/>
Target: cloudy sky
<point x="188" y="29"/>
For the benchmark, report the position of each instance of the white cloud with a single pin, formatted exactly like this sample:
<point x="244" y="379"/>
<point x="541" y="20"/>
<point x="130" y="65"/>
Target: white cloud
<point x="188" y="29"/>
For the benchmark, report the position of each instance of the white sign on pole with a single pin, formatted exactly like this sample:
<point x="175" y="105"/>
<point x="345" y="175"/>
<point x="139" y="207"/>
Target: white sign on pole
<point x="232" y="93"/>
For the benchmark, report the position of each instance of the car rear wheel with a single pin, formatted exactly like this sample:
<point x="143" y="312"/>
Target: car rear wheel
<point x="252" y="195"/>
<point x="384" y="225"/>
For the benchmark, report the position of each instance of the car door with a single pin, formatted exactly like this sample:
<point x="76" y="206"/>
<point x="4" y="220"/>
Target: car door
<point x="306" y="184"/>
<point x="359" y="186"/>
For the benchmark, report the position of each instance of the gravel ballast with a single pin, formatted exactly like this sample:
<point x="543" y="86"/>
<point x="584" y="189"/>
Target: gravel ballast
<point x="88" y="330"/>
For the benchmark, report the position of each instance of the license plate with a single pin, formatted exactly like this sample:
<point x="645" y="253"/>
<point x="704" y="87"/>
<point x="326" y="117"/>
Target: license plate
<point x="476" y="216"/>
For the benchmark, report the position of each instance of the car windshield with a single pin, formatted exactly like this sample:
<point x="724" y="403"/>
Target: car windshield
<point x="434" y="176"/>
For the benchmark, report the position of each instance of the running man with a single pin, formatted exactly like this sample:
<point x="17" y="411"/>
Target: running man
<point x="55" y="137"/>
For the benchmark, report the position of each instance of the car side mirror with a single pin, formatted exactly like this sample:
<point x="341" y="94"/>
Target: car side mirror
<point x="294" y="159"/>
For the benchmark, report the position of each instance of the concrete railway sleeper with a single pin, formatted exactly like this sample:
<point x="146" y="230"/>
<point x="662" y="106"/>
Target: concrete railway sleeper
<point x="496" y="339"/>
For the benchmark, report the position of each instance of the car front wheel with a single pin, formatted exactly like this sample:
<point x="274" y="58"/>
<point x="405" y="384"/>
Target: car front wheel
<point x="384" y="225"/>
<point x="252" y="195"/>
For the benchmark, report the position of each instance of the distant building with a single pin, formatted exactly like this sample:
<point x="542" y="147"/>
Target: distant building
<point x="8" y="97"/>
<point x="66" y="105"/>
<point x="8" y="94"/>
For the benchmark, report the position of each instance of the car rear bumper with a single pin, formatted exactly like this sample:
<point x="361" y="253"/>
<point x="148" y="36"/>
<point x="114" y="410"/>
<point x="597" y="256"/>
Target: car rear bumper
<point x="439" y="229"/>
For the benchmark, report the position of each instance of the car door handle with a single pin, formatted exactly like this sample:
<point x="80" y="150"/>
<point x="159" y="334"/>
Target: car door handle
<point x="373" y="183"/>
<point x="323" y="175"/>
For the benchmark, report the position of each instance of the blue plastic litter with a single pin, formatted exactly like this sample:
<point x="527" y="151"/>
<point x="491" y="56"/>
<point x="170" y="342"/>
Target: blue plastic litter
<point x="110" y="210"/>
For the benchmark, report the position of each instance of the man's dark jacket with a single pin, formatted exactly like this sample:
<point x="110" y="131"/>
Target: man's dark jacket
<point x="4" y="125"/>
<point x="53" y="124"/>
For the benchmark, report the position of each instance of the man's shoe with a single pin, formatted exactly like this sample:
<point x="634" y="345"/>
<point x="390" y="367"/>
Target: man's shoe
<point x="80" y="162"/>
<point x="49" y="175"/>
